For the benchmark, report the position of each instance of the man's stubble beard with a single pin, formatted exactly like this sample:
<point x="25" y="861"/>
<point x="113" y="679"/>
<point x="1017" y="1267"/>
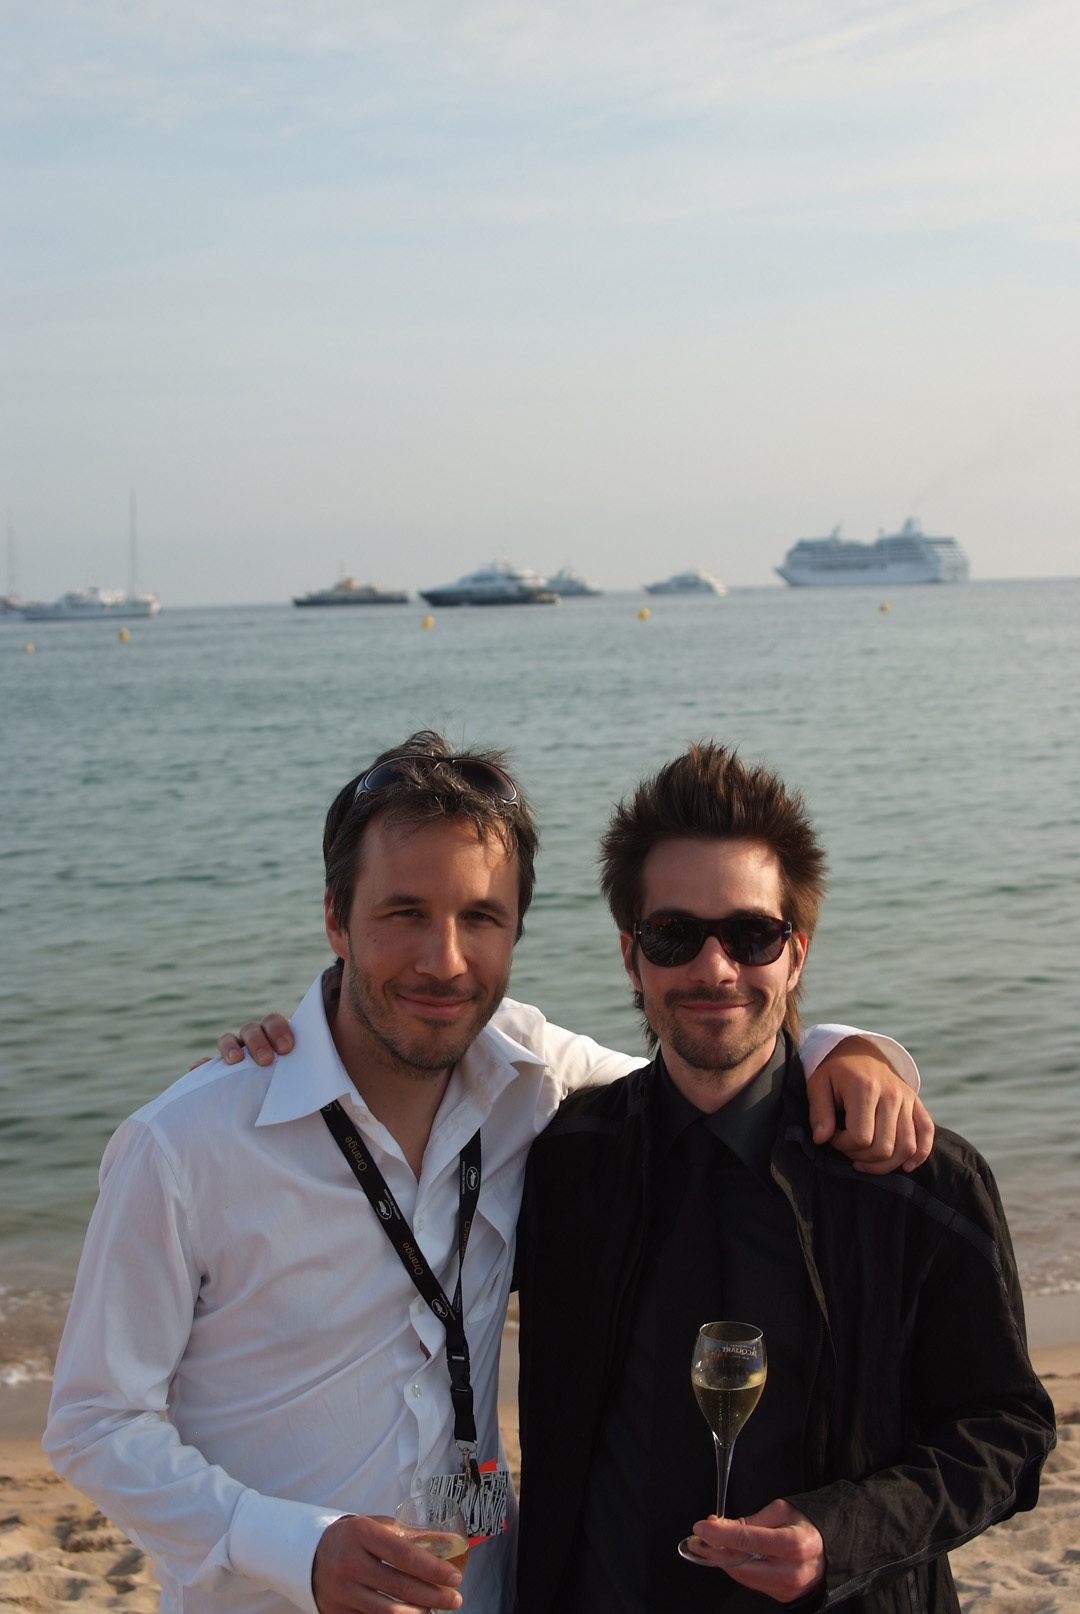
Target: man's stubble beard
<point x="420" y="1054"/>
<point x="716" y="1050"/>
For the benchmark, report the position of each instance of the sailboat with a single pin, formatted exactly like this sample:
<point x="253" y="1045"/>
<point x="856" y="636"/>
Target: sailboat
<point x="91" y="604"/>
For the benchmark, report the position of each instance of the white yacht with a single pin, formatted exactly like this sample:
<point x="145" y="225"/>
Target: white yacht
<point x="497" y="584"/>
<point x="91" y="605"/>
<point x="694" y="581"/>
<point x="907" y="556"/>
<point x="568" y="584"/>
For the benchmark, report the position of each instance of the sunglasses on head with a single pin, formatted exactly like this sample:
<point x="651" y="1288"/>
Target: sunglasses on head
<point x="671" y="939"/>
<point x="481" y="776"/>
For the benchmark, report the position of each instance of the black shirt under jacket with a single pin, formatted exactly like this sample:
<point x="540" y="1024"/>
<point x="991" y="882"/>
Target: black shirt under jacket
<point x="923" y="1421"/>
<point x="721" y="1243"/>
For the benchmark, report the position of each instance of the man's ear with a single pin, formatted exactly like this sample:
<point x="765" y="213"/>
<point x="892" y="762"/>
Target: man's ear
<point x="336" y="934"/>
<point x="799" y="946"/>
<point x="629" y="958"/>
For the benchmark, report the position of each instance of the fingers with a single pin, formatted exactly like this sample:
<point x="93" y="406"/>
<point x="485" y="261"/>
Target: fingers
<point x="873" y="1098"/>
<point x="263" y="1041"/>
<point x="366" y="1566"/>
<point x="924" y="1135"/>
<point x="901" y="1141"/>
<point x="822" y="1102"/>
<point x="854" y="1081"/>
<point x="777" y="1551"/>
<point x="877" y="1129"/>
<point x="883" y="1124"/>
<point x="279" y="1032"/>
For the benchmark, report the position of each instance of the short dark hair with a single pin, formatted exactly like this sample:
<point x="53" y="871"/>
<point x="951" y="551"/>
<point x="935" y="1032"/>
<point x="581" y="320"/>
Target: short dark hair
<point x="421" y="796"/>
<point x="709" y="794"/>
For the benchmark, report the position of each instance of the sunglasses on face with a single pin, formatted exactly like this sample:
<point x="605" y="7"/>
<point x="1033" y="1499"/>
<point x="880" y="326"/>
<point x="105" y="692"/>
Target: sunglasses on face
<point x="481" y="776"/>
<point x="671" y="939"/>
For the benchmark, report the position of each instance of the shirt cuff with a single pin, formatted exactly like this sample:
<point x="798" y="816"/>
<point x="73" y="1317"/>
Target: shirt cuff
<point x="273" y="1543"/>
<point x="821" y="1040"/>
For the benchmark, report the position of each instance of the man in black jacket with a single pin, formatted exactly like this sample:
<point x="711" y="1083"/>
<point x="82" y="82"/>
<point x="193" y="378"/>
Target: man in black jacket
<point x="901" y="1414"/>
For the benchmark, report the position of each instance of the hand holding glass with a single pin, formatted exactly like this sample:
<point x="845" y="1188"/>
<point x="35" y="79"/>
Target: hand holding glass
<point x="437" y="1524"/>
<point x="727" y="1371"/>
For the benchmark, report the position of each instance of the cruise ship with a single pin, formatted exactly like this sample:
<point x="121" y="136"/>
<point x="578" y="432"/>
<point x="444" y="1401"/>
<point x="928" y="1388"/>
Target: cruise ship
<point x="907" y="556"/>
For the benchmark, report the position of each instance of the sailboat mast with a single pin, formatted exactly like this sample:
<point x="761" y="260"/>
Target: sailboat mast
<point x="12" y="581"/>
<point x="133" y="566"/>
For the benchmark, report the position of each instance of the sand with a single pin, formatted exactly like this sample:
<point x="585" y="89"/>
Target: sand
<point x="56" y="1549"/>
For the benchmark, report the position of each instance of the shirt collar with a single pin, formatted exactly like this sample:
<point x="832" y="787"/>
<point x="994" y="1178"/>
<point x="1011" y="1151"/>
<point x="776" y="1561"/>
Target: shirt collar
<point x="747" y="1123"/>
<point x="313" y="1074"/>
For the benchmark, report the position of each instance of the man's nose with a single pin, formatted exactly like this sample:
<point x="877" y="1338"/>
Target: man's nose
<point x="442" y="954"/>
<point x="712" y="965"/>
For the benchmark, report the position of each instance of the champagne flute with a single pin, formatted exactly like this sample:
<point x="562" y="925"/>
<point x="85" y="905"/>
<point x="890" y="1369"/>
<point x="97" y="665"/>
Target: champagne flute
<point x="437" y="1524"/>
<point x="727" y="1371"/>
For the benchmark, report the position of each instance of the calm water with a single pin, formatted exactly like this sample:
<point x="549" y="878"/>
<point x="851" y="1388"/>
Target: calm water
<point x="163" y="801"/>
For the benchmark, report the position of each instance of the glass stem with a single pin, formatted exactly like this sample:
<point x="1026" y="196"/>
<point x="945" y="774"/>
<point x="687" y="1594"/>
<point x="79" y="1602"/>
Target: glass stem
<point x="723" y="1469"/>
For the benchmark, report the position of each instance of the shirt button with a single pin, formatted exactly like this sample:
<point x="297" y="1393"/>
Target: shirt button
<point x="418" y="1225"/>
<point x="417" y="1392"/>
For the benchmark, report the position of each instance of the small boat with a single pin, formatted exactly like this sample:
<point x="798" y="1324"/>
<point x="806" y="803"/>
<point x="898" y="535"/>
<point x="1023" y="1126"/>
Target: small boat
<point x="694" y="581"/>
<point x="497" y="584"/>
<point x="91" y="605"/>
<point x="350" y="592"/>
<point x="907" y="556"/>
<point x="569" y="585"/>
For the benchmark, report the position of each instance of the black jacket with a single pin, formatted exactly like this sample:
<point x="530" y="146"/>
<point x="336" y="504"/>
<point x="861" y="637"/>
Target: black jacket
<point x="925" y="1423"/>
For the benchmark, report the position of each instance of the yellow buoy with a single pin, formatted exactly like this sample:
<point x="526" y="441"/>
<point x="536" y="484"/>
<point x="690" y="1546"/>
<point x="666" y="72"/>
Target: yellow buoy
<point x="884" y="606"/>
<point x="124" y="636"/>
<point x="29" y="650"/>
<point x="643" y="614"/>
<point x="428" y="622"/>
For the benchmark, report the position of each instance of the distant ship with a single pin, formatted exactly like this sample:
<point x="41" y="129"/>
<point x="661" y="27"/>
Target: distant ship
<point x="691" y="582"/>
<point x="568" y="584"/>
<point x="91" y="605"/>
<point x="349" y="592"/>
<point x="497" y="584"/>
<point x="907" y="556"/>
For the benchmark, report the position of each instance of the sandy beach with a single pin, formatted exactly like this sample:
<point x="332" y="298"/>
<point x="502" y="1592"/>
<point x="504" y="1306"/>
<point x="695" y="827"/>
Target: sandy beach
<point x="56" y="1549"/>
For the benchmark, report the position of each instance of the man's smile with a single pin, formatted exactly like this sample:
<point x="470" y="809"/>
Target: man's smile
<point x="435" y="1005"/>
<point x="707" y="1004"/>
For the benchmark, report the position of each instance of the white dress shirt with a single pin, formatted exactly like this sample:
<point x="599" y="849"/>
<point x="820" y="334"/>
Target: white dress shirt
<point x="245" y="1358"/>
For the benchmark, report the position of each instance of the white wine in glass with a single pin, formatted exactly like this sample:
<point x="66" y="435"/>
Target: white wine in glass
<point x="727" y="1371"/>
<point x="437" y="1524"/>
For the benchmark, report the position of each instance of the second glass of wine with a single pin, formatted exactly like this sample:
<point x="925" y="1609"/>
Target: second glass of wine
<point x="727" y="1371"/>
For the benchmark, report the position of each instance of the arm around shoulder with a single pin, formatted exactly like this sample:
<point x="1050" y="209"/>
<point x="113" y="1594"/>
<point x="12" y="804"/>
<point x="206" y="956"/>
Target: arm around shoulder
<point x="862" y="1090"/>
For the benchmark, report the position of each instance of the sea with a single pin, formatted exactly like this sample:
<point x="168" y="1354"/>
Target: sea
<point x="163" y="791"/>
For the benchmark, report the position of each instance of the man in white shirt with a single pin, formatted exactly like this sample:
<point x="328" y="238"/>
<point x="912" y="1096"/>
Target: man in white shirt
<point x="254" y="1373"/>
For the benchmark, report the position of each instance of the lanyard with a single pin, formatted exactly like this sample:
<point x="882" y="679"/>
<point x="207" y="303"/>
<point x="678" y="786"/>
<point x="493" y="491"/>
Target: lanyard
<point x="413" y="1260"/>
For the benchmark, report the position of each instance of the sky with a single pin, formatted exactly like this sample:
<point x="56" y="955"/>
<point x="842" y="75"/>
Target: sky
<point x="393" y="287"/>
